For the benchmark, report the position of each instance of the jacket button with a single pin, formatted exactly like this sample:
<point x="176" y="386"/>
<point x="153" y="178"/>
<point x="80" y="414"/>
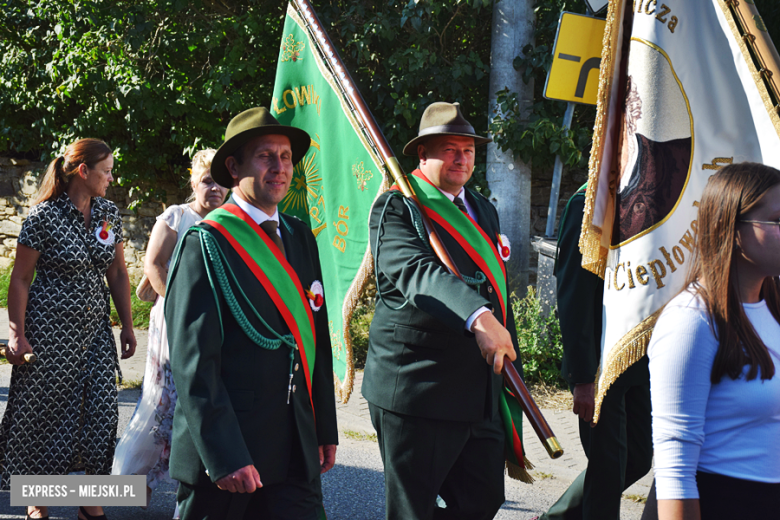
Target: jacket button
<point x="490" y="288"/>
<point x="294" y="388"/>
<point x="296" y="367"/>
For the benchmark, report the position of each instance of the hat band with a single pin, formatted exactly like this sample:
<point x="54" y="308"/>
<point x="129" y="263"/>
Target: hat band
<point x="447" y="129"/>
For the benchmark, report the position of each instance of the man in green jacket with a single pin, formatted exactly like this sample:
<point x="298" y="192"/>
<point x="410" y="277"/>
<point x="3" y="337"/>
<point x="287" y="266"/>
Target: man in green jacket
<point x="255" y="421"/>
<point x="434" y="401"/>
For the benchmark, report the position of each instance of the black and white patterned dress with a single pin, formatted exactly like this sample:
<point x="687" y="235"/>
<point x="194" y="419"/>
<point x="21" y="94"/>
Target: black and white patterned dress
<point x="62" y="410"/>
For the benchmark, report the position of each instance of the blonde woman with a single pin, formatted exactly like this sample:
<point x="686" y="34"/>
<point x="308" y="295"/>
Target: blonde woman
<point x="145" y="446"/>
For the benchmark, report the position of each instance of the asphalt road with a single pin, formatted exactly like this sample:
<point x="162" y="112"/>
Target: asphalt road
<point x="354" y="488"/>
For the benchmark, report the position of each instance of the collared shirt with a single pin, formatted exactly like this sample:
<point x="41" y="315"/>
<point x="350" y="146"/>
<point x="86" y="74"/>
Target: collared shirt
<point x="258" y="215"/>
<point x="462" y="194"/>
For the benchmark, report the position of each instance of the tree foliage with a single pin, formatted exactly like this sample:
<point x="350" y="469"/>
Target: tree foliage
<point x="156" y="79"/>
<point x="537" y="134"/>
<point x="159" y="79"/>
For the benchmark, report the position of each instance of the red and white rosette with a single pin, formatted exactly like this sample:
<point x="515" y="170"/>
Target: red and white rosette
<point x="504" y="248"/>
<point x="104" y="234"/>
<point x="316" y="295"/>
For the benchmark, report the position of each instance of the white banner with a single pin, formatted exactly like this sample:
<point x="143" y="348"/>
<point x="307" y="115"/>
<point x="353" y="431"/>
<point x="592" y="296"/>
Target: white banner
<point x="679" y="98"/>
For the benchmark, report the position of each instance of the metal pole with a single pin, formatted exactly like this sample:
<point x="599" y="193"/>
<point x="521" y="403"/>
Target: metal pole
<point x="552" y="209"/>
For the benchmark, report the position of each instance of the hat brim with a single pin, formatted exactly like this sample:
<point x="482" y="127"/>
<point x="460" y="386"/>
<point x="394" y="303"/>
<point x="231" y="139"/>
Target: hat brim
<point x="411" y="147"/>
<point x="299" y="144"/>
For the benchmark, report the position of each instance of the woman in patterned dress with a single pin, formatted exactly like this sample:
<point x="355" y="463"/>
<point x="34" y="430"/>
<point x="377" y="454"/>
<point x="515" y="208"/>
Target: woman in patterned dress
<point x="62" y="410"/>
<point x="145" y="446"/>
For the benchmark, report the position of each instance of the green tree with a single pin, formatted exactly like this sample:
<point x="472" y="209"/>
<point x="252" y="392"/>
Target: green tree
<point x="156" y="79"/>
<point x="159" y="79"/>
<point x="541" y="136"/>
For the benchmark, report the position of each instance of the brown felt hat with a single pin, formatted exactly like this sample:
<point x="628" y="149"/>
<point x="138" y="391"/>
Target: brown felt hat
<point x="247" y="125"/>
<point x="442" y="118"/>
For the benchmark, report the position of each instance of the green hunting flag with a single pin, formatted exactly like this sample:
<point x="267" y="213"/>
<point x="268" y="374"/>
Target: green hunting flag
<point x="335" y="184"/>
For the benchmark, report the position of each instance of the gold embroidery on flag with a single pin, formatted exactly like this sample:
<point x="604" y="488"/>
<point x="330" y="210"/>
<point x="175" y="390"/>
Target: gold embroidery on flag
<point x="291" y="50"/>
<point x="717" y="163"/>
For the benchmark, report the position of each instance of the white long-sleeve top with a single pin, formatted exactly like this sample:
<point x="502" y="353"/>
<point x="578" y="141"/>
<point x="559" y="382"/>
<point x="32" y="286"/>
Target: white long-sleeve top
<point x="731" y="428"/>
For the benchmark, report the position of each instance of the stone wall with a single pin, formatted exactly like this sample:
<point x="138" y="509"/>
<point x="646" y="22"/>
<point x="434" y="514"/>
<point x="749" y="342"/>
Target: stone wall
<point x="18" y="184"/>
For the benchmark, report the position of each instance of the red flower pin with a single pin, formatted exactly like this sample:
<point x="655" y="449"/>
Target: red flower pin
<point x="504" y="248"/>
<point x="316" y="295"/>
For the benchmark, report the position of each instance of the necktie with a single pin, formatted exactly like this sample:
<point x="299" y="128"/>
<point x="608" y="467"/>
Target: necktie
<point x="269" y="226"/>
<point x="461" y="205"/>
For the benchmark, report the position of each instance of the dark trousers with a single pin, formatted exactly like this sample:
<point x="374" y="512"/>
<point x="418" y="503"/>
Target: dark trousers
<point x="727" y="498"/>
<point x="294" y="499"/>
<point x="461" y="462"/>
<point x="619" y="451"/>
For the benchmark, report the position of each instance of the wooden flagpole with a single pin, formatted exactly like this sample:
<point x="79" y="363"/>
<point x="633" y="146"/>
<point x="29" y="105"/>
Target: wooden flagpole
<point x="366" y="118"/>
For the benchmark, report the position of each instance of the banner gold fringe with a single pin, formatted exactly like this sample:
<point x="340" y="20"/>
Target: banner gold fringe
<point x="625" y="353"/>
<point x="594" y="255"/>
<point x="365" y="272"/>
<point x="742" y="34"/>
<point x="351" y="300"/>
<point x="515" y="472"/>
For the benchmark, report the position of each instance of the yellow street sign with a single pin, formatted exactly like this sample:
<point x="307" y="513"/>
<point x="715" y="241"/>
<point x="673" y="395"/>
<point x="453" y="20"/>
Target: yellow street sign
<point x="574" y="74"/>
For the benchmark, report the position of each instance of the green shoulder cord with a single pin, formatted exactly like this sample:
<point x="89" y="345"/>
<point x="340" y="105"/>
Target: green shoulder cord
<point x="215" y="262"/>
<point x="419" y="226"/>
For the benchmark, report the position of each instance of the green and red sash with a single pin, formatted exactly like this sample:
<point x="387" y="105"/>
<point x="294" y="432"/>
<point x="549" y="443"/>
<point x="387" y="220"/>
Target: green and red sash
<point x="482" y="251"/>
<point x="469" y="235"/>
<point x="276" y="276"/>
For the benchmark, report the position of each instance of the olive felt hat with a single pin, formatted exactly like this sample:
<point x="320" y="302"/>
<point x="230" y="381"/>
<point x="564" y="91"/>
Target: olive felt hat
<point x="247" y="125"/>
<point x="442" y="118"/>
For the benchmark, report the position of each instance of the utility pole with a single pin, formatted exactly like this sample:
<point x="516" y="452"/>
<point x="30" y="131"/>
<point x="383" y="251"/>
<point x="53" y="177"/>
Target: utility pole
<point x="509" y="179"/>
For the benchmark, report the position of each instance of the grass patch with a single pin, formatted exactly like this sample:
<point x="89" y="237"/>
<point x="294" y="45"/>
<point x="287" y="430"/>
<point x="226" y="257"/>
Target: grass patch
<point x="551" y="397"/>
<point x="140" y="310"/>
<point x="540" y="475"/>
<point x="5" y="280"/>
<point x="129" y="384"/>
<point x="358" y="332"/>
<point x="357" y="436"/>
<point x="639" y="499"/>
<point x="539" y="339"/>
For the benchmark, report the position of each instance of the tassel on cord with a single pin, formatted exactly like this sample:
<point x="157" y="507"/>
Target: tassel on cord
<point x="517" y="473"/>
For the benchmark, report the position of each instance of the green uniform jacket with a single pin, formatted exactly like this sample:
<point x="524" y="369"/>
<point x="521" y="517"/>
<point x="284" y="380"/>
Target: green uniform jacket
<point x="580" y="294"/>
<point x="421" y="360"/>
<point x="232" y="406"/>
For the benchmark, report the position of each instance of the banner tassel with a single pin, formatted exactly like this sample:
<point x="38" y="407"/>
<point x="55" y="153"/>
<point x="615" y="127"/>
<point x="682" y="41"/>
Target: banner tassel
<point x="515" y="472"/>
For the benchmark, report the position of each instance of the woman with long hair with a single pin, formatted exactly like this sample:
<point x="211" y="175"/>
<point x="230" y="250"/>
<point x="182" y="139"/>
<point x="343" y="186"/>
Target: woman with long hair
<point x="714" y="355"/>
<point x="62" y="410"/>
<point x="145" y="446"/>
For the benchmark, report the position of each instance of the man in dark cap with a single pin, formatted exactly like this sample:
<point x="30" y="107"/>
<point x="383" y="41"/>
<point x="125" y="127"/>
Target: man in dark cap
<point x="250" y="349"/>
<point x="437" y="406"/>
